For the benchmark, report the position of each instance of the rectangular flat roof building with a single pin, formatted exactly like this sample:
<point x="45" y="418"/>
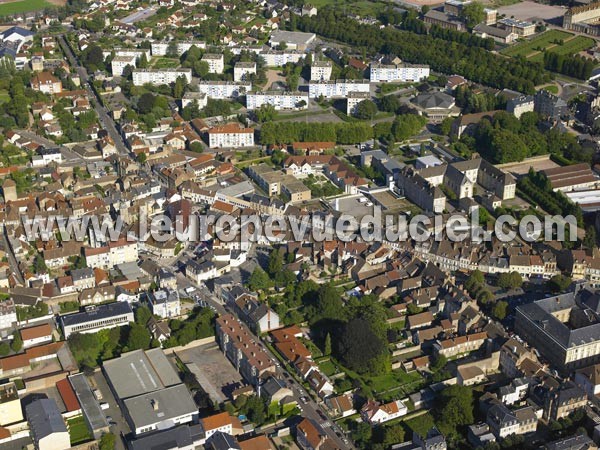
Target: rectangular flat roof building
<point x="140" y="372"/>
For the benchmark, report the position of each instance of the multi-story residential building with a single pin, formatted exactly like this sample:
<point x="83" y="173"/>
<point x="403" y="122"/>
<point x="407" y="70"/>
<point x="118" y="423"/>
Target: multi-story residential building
<point x="275" y="182"/>
<point x="353" y="99"/>
<point x="277" y="58"/>
<point x="244" y="352"/>
<point x="512" y="355"/>
<point x="564" y="400"/>
<point x="200" y="98"/>
<point x="10" y="405"/>
<point x="520" y="104"/>
<point x="256" y="314"/>
<point x="165" y="303"/>
<point x="242" y="70"/>
<point x="382" y="73"/>
<point x="224" y="89"/>
<point x="444" y="20"/>
<point x="460" y="344"/>
<point x="37" y="335"/>
<point x="114" y="253"/>
<point x="96" y="318"/>
<point x="321" y="70"/>
<point x="83" y="278"/>
<point x="160" y="76"/>
<point x="419" y="191"/>
<point x="8" y="313"/>
<point x="48" y="429"/>
<point x="550" y="105"/>
<point x="337" y="88"/>
<point x="216" y="62"/>
<point x="231" y="135"/>
<point x="119" y="63"/>
<point x="563" y="328"/>
<point x="278" y="99"/>
<point x="47" y="83"/>
<point x="161" y="48"/>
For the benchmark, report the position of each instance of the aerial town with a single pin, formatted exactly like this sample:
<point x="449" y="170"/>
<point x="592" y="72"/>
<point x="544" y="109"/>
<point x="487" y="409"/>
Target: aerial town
<point x="285" y="225"/>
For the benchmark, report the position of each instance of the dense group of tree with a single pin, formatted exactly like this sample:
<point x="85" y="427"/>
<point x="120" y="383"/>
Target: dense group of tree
<point x="472" y="100"/>
<point x="537" y="188"/>
<point x="474" y="63"/>
<point x="504" y="138"/>
<point x="288" y="132"/>
<point x="571" y="65"/>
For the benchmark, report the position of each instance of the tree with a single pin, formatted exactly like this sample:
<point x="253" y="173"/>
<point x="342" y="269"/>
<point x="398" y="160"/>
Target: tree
<point x="255" y="410"/>
<point x="500" y="310"/>
<point x="4" y="349"/>
<point x="179" y="86"/>
<point x="389" y="103"/>
<point x="259" y="280"/>
<point x="275" y="264"/>
<point x="107" y="441"/>
<point x="196" y="147"/>
<point x="361" y="350"/>
<point x="146" y="103"/>
<point x="438" y="363"/>
<point x="142" y="158"/>
<point x="365" y="110"/>
<point x="558" y="283"/>
<point x="455" y="409"/>
<point x="138" y="337"/>
<point x="510" y="280"/>
<point x="327" y="346"/>
<point x="590" y="240"/>
<point x="446" y="126"/>
<point x="393" y="434"/>
<point x="265" y="113"/>
<point x="472" y="13"/>
<point x="39" y="265"/>
<point x="142" y="315"/>
<point x="93" y="58"/>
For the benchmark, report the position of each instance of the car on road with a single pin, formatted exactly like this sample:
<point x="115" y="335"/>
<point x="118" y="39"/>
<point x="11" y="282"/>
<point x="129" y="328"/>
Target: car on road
<point x="304" y="400"/>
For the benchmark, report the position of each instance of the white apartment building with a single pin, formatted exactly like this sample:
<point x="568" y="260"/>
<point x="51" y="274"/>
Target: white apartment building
<point x="137" y="52"/>
<point x="119" y="63"/>
<point x="216" y="62"/>
<point x="200" y="98"/>
<point x="280" y="100"/>
<point x="337" y="88"/>
<point x="114" y="253"/>
<point x="224" y="89"/>
<point x="231" y="135"/>
<point x="276" y="58"/>
<point x="242" y="70"/>
<point x="161" y="48"/>
<point x="383" y="73"/>
<point x="165" y="303"/>
<point x="160" y="76"/>
<point x="353" y="99"/>
<point x="321" y="71"/>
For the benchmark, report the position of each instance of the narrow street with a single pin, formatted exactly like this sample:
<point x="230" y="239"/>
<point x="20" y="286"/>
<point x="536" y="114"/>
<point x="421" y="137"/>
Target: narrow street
<point x="105" y="120"/>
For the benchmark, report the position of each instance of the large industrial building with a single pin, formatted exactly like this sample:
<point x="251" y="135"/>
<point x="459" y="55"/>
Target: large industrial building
<point x="150" y="391"/>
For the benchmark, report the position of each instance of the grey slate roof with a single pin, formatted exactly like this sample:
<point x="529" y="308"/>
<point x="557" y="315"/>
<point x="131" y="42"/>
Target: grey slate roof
<point x="100" y="312"/>
<point x="44" y="417"/>
<point x="180" y="437"/>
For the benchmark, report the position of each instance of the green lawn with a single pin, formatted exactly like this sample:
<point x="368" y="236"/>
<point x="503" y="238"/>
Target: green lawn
<point x="78" y="430"/>
<point x="391" y="380"/>
<point x="6" y="9"/>
<point x="328" y="367"/>
<point x="421" y="424"/>
<point x="166" y="63"/>
<point x="541" y="41"/>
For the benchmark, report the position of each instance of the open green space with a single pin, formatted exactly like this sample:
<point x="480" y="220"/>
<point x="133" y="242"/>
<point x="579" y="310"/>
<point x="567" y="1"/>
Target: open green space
<point x="538" y="43"/>
<point x="7" y="9"/>
<point x="78" y="430"/>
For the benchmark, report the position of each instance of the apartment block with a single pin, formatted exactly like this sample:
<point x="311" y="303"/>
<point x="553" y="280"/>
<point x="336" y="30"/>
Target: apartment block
<point x="279" y="100"/>
<point x="276" y="58"/>
<point x="160" y="76"/>
<point x="353" y="99"/>
<point x="241" y="348"/>
<point x="383" y="73"/>
<point x="231" y="135"/>
<point x="119" y="63"/>
<point x="337" y="88"/>
<point x="224" y="89"/>
<point x="216" y="62"/>
<point x="242" y="70"/>
<point x="321" y="71"/>
<point x="162" y="48"/>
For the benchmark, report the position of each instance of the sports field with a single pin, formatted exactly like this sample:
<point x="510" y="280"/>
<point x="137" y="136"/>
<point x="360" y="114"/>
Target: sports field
<point x="21" y="6"/>
<point x="554" y="41"/>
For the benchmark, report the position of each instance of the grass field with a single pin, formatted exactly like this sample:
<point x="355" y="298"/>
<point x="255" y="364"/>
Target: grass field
<point x="7" y="9"/>
<point x="78" y="430"/>
<point x="544" y="40"/>
<point x="421" y="424"/>
<point x="165" y="63"/>
<point x="554" y="41"/>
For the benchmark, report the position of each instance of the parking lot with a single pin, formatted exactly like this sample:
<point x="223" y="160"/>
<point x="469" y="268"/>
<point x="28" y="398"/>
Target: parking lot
<point x="213" y="370"/>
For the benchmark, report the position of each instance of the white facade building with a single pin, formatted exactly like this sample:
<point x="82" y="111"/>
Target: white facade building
<point x="96" y="318"/>
<point x="321" y="71"/>
<point x="280" y="100"/>
<point x="161" y="48"/>
<point x="382" y="73"/>
<point x="216" y="62"/>
<point x="231" y="135"/>
<point x="337" y="88"/>
<point x="160" y="76"/>
<point x="165" y="303"/>
<point x="119" y="63"/>
<point x="224" y="89"/>
<point x="276" y="58"/>
<point x="242" y="70"/>
<point x="353" y="99"/>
